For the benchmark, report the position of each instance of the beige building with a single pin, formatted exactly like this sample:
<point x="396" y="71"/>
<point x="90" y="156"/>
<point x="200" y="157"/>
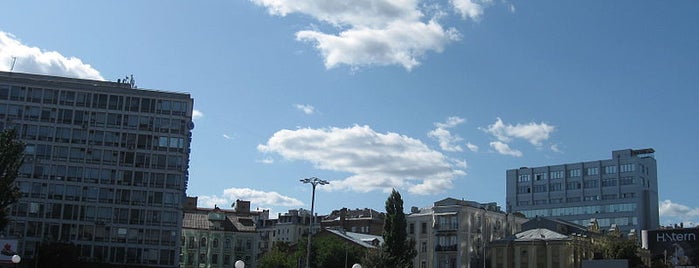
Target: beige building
<point x="454" y="233"/>
<point x="540" y="248"/>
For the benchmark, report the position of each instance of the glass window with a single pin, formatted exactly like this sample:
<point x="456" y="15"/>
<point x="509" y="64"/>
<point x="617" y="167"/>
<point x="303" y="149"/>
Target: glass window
<point x="610" y="169"/>
<point x="592" y="171"/>
<point x="573" y="173"/>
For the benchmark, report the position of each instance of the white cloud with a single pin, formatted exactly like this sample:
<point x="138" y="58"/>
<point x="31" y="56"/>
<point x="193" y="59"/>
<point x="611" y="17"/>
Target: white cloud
<point x="307" y="109"/>
<point x="35" y="60"/>
<point x="512" y="8"/>
<point x="554" y="148"/>
<point x="505" y="149"/>
<point x="256" y="198"/>
<point x="226" y="136"/>
<point x="196" y="114"/>
<point x="468" y="9"/>
<point x="472" y="147"/>
<point x="370" y="32"/>
<point x="675" y="213"/>
<point x="532" y="132"/>
<point x="267" y="160"/>
<point x="377" y="161"/>
<point x="447" y="141"/>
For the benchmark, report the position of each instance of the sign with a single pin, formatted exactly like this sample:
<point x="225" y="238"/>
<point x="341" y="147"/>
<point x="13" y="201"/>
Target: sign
<point x="674" y="247"/>
<point x="8" y="248"/>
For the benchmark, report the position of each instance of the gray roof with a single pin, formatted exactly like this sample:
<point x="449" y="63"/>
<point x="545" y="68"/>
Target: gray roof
<point x="364" y="240"/>
<point x="538" y="234"/>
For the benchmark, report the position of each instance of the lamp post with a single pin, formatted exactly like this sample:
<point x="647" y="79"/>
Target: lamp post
<point x="16" y="259"/>
<point x="239" y="264"/>
<point x="315" y="182"/>
<point x="357" y="265"/>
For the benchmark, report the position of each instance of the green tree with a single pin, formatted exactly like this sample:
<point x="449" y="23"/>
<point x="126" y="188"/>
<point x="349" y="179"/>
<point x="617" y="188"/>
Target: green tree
<point x="11" y="156"/>
<point x="282" y="255"/>
<point x="399" y="250"/>
<point x="613" y="246"/>
<point x="332" y="251"/>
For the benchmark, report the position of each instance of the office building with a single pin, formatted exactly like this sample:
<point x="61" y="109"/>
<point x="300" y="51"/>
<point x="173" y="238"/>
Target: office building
<point x="105" y="167"/>
<point x="455" y="233"/>
<point x="621" y="191"/>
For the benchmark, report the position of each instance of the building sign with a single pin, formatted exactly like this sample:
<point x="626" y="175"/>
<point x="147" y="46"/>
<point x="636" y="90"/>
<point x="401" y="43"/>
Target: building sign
<point x="675" y="247"/>
<point x="8" y="248"/>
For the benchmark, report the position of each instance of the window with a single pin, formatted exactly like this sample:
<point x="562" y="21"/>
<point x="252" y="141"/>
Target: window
<point x="539" y="176"/>
<point x="572" y="185"/>
<point x="608" y="182"/>
<point x="591" y="171"/>
<point x="540" y="202"/>
<point x="627" y="168"/>
<point x="610" y="170"/>
<point x="626" y="181"/>
<point x="573" y="199"/>
<point x="555" y="187"/>
<point x="556" y="200"/>
<point x="411" y="228"/>
<point x="523" y="190"/>
<point x="608" y="196"/>
<point x="423" y="228"/>
<point x="628" y="195"/>
<point x="573" y="173"/>
<point x="523" y="203"/>
<point x="203" y="242"/>
<point x="523" y="178"/>
<point x="558" y="174"/>
<point x="590" y="184"/>
<point x="423" y="247"/>
<point x="591" y="198"/>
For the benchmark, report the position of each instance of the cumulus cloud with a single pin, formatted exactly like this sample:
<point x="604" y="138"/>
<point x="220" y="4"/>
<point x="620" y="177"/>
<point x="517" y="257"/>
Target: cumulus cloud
<point x="256" y="198"/>
<point x="468" y="9"/>
<point x="306" y="109"/>
<point x="472" y="147"/>
<point x="447" y="141"/>
<point x="29" y="59"/>
<point x="369" y="32"/>
<point x="675" y="213"/>
<point x="505" y="149"/>
<point x="376" y="161"/>
<point x="532" y="132"/>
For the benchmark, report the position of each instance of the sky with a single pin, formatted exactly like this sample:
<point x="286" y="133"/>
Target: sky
<point x="433" y="98"/>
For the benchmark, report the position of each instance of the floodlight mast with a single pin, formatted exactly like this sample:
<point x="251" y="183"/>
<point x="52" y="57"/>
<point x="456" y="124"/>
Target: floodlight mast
<point x="314" y="182"/>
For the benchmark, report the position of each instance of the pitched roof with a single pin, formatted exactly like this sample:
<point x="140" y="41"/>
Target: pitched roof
<point x="538" y="234"/>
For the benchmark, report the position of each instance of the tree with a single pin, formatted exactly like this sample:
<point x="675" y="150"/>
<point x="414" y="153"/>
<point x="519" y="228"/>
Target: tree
<point x="11" y="156"/>
<point x="613" y="246"/>
<point x="399" y="250"/>
<point x="331" y="251"/>
<point x="282" y="255"/>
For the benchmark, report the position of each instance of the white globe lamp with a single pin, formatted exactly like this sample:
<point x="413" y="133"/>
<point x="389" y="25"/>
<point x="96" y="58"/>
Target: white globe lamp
<point x="239" y="264"/>
<point x="16" y="259"/>
<point x="357" y="265"/>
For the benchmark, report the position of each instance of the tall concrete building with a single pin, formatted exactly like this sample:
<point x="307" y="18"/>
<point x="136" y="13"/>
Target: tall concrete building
<point x="105" y="167"/>
<point x="621" y="191"/>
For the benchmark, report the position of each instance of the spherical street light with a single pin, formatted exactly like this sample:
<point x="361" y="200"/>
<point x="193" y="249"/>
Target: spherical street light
<point x="239" y="264"/>
<point x="16" y="259"/>
<point x="357" y="265"/>
<point x="315" y="182"/>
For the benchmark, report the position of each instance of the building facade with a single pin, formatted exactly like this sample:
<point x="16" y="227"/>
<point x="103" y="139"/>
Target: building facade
<point x="454" y="233"/>
<point x="540" y="248"/>
<point x="621" y="191"/>
<point x="365" y="221"/>
<point x="220" y="237"/>
<point x="105" y="167"/>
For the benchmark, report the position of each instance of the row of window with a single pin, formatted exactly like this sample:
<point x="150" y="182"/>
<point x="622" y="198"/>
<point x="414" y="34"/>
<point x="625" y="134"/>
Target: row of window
<point x="103" y="195"/>
<point x="93" y="100"/>
<point x="191" y="242"/>
<point x="606" y="222"/>
<point x="35" y="153"/>
<point x="579" y="210"/>
<point x="587" y="184"/>
<point x="89" y="120"/>
<point x="558" y="200"/>
<point x="103" y="176"/>
<point x="576" y="172"/>
<point x="99" y="214"/>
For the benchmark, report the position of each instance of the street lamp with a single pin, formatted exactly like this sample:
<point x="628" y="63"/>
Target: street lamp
<point x="357" y="265"/>
<point x="239" y="264"/>
<point x="16" y="259"/>
<point x="313" y="181"/>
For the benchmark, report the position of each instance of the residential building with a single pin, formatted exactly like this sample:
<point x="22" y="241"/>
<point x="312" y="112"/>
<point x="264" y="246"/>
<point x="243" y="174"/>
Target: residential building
<point x="105" y="167"/>
<point x="365" y="221"/>
<point x="293" y="225"/>
<point x="219" y="237"/>
<point x="621" y="191"/>
<point x="540" y="248"/>
<point x="454" y="233"/>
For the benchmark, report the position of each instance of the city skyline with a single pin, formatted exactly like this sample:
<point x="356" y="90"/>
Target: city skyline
<point x="434" y="98"/>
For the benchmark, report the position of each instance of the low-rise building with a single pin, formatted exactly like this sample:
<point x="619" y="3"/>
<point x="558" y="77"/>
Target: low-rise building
<point x="365" y="221"/>
<point x="454" y="233"/>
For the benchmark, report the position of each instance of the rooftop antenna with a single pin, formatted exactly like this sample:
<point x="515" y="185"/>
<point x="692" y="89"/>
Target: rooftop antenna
<point x="14" y="59"/>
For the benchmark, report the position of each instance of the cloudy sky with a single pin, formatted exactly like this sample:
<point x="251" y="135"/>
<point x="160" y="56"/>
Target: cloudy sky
<point x="435" y="98"/>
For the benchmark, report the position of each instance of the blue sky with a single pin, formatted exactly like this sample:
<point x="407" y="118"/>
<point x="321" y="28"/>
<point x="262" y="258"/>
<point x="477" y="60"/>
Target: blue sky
<point x="434" y="98"/>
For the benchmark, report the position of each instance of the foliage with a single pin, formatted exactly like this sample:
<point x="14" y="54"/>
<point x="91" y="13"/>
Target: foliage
<point x="398" y="249"/>
<point x="331" y="251"/>
<point x="282" y="255"/>
<point x="11" y="156"/>
<point x="616" y="247"/>
<point x="376" y="258"/>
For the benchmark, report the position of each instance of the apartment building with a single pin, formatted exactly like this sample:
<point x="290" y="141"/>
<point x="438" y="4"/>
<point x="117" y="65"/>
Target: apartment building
<point x="621" y="191"/>
<point x="105" y="167"/>
<point x="455" y="233"/>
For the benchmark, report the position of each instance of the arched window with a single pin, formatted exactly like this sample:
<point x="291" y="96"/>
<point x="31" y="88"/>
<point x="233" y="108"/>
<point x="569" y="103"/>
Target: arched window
<point x="202" y="242"/>
<point x="215" y="245"/>
<point x="192" y="242"/>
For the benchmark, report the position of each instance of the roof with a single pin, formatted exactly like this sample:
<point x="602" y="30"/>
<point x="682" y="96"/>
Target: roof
<point x="229" y="223"/>
<point x="537" y="234"/>
<point x="364" y="240"/>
